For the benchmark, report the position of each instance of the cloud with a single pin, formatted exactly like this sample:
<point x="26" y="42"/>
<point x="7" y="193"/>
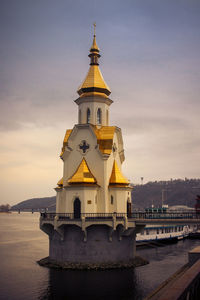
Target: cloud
<point x="17" y="113"/>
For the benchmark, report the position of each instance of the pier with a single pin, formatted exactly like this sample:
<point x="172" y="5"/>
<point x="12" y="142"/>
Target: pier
<point x="184" y="284"/>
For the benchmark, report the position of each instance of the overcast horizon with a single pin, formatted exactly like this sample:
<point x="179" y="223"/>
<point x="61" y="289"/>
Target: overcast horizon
<point x="150" y="59"/>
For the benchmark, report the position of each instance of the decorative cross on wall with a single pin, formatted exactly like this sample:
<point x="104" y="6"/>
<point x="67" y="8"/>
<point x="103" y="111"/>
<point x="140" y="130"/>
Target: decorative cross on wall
<point x="84" y="146"/>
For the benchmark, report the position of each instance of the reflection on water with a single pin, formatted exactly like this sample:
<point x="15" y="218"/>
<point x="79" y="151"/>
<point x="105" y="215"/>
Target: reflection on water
<point x="21" y="278"/>
<point x="92" y="285"/>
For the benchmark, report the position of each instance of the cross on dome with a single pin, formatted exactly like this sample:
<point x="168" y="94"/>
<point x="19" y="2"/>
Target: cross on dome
<point x="94" y="28"/>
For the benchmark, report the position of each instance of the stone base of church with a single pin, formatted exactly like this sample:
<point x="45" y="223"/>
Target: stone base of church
<point x="98" y="247"/>
<point x="54" y="264"/>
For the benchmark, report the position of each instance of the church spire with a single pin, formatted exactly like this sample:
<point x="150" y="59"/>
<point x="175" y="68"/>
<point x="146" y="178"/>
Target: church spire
<point x="94" y="50"/>
<point x="94" y="81"/>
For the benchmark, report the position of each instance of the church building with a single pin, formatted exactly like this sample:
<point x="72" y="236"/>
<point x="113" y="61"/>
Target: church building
<point x="92" y="224"/>
<point x="93" y="153"/>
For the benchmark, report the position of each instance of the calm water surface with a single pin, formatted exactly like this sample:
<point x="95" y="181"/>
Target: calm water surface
<point x="21" y="278"/>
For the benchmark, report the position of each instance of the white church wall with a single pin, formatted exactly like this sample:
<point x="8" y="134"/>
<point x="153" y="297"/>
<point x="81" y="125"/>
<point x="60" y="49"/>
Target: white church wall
<point x="120" y="198"/>
<point x="86" y="195"/>
<point x="100" y="167"/>
<point x="93" y="106"/>
<point x="60" y="201"/>
<point x="93" y="158"/>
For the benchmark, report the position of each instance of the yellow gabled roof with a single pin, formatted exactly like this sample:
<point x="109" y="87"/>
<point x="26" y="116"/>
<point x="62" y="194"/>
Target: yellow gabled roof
<point x="60" y="182"/>
<point x="105" y="136"/>
<point x="67" y="134"/>
<point x="94" y="81"/>
<point x="82" y="174"/>
<point x="116" y="175"/>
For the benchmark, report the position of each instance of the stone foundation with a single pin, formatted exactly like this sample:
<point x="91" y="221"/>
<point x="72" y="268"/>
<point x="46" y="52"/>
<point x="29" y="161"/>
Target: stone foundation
<point x="99" y="245"/>
<point x="51" y="263"/>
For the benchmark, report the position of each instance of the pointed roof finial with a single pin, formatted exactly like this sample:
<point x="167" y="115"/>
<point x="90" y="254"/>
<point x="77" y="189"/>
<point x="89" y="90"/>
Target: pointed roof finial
<point x="94" y="47"/>
<point x="94" y="28"/>
<point x="94" y="81"/>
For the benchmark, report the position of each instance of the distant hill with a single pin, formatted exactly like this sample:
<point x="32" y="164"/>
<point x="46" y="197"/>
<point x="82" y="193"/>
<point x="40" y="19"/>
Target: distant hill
<point x="36" y="203"/>
<point x="176" y="192"/>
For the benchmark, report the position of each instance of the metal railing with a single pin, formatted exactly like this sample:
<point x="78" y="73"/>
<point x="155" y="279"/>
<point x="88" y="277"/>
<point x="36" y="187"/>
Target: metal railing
<point x="136" y="215"/>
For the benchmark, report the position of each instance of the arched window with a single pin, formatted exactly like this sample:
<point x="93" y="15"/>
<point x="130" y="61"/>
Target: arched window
<point x="129" y="208"/>
<point x="79" y="116"/>
<point x="99" y="116"/>
<point x="88" y="115"/>
<point x="111" y="199"/>
<point x="77" y="208"/>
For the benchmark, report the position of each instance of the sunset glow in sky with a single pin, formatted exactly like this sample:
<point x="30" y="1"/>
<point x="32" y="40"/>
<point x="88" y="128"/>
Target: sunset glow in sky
<point x="150" y="60"/>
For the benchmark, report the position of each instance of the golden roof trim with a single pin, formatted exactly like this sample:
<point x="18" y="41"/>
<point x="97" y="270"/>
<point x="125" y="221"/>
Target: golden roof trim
<point x="82" y="184"/>
<point x="82" y="174"/>
<point x="117" y="185"/>
<point x="116" y="176"/>
<point x="93" y="94"/>
<point x="66" y="137"/>
<point x="104" y="136"/>
<point x="60" y="182"/>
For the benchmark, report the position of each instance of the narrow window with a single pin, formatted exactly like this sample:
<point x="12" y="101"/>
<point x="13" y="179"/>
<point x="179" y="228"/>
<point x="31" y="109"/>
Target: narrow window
<point x="99" y="116"/>
<point x="77" y="208"/>
<point x="79" y="116"/>
<point x="107" y="118"/>
<point x="111" y="199"/>
<point x="88" y="115"/>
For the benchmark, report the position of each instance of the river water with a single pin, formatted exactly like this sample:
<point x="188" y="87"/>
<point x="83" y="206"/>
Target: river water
<point x="21" y="278"/>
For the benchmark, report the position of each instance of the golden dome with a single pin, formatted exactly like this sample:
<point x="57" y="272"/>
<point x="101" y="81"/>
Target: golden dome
<point x="94" y="81"/>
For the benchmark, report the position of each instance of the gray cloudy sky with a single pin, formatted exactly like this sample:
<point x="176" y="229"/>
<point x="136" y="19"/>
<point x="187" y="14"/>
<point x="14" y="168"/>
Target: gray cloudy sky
<point x="150" y="59"/>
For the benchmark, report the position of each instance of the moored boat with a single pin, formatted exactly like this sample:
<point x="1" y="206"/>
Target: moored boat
<point x="163" y="233"/>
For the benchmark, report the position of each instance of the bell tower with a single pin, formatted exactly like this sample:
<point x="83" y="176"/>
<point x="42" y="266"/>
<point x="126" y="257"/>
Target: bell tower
<point x="93" y="102"/>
